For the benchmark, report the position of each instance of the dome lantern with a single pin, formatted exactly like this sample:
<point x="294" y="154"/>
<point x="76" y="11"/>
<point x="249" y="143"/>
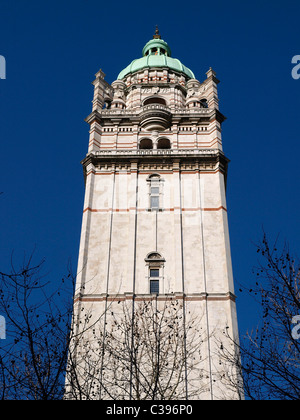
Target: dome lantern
<point x="156" y="54"/>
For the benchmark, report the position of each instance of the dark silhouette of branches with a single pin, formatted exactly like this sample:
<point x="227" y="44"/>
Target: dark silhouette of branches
<point x="38" y="354"/>
<point x="33" y="356"/>
<point x="270" y="353"/>
<point x="60" y="348"/>
<point x="141" y="355"/>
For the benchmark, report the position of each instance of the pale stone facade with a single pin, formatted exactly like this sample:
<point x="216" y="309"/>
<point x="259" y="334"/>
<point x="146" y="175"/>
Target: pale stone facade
<point x="155" y="214"/>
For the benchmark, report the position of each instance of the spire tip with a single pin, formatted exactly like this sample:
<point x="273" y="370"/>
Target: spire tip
<point x="156" y="35"/>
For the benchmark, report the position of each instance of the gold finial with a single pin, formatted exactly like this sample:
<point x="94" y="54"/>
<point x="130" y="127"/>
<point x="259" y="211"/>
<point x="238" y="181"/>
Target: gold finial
<point x="156" y="36"/>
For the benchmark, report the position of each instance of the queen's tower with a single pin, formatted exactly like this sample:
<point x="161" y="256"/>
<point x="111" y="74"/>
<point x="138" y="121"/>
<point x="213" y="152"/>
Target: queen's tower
<point x="155" y="216"/>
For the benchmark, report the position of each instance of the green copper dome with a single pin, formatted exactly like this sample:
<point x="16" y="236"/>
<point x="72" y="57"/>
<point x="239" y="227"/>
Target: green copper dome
<point x="156" y="53"/>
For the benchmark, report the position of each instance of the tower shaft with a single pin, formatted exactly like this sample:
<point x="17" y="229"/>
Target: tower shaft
<point x="155" y="223"/>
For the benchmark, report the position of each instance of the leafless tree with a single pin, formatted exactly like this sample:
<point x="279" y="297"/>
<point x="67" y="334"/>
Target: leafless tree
<point x="33" y="355"/>
<point x="150" y="348"/>
<point x="36" y="354"/>
<point x="150" y="353"/>
<point x="270" y="353"/>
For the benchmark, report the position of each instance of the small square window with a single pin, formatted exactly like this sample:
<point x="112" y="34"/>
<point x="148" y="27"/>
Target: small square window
<point x="154" y="272"/>
<point x="154" y="190"/>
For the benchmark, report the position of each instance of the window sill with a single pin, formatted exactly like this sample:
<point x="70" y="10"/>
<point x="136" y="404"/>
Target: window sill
<point x="155" y="210"/>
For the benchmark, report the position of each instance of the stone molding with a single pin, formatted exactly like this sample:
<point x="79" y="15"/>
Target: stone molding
<point x="194" y="297"/>
<point x="188" y="161"/>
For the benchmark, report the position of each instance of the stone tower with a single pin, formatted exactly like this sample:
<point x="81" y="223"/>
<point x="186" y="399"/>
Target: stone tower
<point x="155" y="216"/>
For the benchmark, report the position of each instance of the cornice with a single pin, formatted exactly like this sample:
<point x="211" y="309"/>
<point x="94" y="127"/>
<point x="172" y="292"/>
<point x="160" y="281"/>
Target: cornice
<point x="177" y="114"/>
<point x="190" y="160"/>
<point x="194" y="297"/>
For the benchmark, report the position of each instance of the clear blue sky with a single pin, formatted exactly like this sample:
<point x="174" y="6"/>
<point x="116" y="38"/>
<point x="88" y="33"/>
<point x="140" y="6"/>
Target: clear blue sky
<point x="54" y="48"/>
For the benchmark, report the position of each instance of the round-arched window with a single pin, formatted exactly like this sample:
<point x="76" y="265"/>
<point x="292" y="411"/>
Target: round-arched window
<point x="146" y="144"/>
<point x="204" y="103"/>
<point x="164" y="144"/>
<point x="155" y="100"/>
<point x="155" y="263"/>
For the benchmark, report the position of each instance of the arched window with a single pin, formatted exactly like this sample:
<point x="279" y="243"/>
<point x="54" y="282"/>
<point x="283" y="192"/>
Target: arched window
<point x="155" y="192"/>
<point x="146" y="144"/>
<point x="107" y="104"/>
<point x="155" y="100"/>
<point x="164" y="144"/>
<point x="204" y="103"/>
<point x="155" y="263"/>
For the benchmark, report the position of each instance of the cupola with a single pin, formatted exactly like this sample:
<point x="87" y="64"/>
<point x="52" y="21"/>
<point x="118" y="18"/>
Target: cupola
<point x="156" y="54"/>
